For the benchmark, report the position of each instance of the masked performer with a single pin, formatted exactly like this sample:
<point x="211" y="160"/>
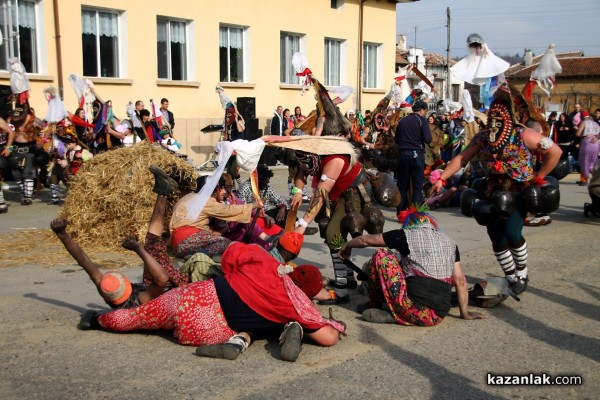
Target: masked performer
<point x="7" y="136"/>
<point x="338" y="177"/>
<point x="23" y="119"/>
<point x="506" y="150"/>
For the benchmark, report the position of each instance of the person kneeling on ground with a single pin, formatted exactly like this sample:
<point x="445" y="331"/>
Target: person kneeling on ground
<point x="413" y="287"/>
<point x="256" y="296"/>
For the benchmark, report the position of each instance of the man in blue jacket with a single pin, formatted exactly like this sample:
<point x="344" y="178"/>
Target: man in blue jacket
<point x="412" y="133"/>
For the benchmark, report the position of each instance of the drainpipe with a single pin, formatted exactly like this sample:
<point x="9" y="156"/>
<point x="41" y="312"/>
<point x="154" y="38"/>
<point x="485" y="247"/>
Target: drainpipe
<point x="59" y="69"/>
<point x="360" y="56"/>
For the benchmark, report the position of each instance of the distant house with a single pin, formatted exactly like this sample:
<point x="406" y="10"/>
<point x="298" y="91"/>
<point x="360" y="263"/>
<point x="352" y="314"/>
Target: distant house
<point x="430" y="64"/>
<point x="579" y="81"/>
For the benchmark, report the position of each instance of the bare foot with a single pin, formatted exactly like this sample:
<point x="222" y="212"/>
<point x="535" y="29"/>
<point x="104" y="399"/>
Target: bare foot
<point x="58" y="225"/>
<point x="131" y="243"/>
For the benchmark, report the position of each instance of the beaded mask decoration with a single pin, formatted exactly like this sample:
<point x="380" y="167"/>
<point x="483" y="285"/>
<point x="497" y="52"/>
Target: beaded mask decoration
<point x="309" y="162"/>
<point x="499" y="127"/>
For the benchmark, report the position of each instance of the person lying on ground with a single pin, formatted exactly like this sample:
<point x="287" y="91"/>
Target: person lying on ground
<point x="256" y="296"/>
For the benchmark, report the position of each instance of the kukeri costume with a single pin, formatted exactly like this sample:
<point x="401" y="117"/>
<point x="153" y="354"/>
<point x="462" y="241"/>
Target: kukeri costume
<point x="510" y="189"/>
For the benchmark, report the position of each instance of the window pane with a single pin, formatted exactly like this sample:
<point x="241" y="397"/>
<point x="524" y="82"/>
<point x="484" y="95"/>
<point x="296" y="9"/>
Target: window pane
<point x="108" y="57"/>
<point x="178" y="60"/>
<point x="90" y="51"/>
<point x="237" y="65"/>
<point x="283" y="70"/>
<point x="332" y="62"/>
<point x="289" y="44"/>
<point x="178" y="51"/>
<point x="369" y="66"/>
<point x="162" y="49"/>
<point x="231" y="54"/>
<point x="27" y="40"/>
<point x="223" y="64"/>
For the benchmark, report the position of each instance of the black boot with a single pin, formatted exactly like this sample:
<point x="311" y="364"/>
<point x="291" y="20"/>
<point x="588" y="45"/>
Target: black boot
<point x="163" y="183"/>
<point x="89" y="321"/>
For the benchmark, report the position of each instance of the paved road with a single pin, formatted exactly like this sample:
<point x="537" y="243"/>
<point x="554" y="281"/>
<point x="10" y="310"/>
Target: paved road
<point x="555" y="329"/>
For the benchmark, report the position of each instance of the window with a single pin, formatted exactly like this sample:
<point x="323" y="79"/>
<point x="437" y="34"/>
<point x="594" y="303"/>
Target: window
<point x="370" y="56"/>
<point x="335" y="4"/>
<point x="231" y="54"/>
<point x="171" y="50"/>
<point x="18" y="26"/>
<point x="333" y="49"/>
<point x="100" y="40"/>
<point x="289" y="44"/>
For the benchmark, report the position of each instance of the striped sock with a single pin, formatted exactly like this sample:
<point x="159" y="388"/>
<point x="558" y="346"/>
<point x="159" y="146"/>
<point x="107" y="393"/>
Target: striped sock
<point x="505" y="259"/>
<point x="520" y="258"/>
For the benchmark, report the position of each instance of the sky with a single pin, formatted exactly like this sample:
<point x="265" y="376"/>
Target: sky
<point x="507" y="26"/>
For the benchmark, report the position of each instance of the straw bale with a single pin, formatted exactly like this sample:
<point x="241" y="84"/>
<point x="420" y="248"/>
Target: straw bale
<point x="111" y="195"/>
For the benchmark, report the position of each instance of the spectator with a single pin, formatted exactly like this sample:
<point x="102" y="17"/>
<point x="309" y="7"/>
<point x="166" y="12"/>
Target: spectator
<point x="168" y="115"/>
<point x="277" y="122"/>
<point x="275" y="206"/>
<point x="412" y="133"/>
<point x="588" y="130"/>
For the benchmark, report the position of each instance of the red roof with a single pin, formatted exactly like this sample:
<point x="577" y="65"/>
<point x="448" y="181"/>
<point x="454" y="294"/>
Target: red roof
<point x="572" y="67"/>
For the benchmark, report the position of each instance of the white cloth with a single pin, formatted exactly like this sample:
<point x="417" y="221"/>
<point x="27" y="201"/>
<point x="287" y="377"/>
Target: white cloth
<point x="248" y="156"/>
<point x="128" y="140"/>
<point x="467" y="105"/>
<point x="56" y="108"/>
<point x="19" y="82"/>
<point x="476" y="69"/>
<point x="546" y="71"/>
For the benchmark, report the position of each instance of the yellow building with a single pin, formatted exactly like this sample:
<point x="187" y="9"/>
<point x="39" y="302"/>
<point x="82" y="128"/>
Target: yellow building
<point x="181" y="49"/>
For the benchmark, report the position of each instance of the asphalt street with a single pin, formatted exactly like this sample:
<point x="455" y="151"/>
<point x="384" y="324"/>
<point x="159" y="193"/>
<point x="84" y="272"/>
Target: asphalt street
<point x="554" y="329"/>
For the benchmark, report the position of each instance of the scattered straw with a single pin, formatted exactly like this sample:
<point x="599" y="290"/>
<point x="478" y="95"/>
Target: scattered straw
<point x="111" y="196"/>
<point x="41" y="247"/>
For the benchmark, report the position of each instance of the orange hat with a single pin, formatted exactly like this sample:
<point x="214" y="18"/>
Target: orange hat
<point x="308" y="278"/>
<point x="115" y="287"/>
<point x="292" y="242"/>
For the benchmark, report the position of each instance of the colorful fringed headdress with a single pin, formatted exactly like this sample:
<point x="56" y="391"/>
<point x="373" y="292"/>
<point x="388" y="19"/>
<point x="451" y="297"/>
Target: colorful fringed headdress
<point x="416" y="216"/>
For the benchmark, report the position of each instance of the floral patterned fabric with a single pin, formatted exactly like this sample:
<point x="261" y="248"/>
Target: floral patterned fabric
<point x="387" y="284"/>
<point x="515" y="160"/>
<point x="157" y="247"/>
<point x="193" y="311"/>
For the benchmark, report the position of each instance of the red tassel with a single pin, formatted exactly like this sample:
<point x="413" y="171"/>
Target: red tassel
<point x="528" y="90"/>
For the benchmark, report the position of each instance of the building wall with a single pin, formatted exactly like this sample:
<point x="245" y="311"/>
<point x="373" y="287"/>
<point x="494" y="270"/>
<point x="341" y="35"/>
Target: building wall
<point x="194" y="102"/>
<point x="568" y="92"/>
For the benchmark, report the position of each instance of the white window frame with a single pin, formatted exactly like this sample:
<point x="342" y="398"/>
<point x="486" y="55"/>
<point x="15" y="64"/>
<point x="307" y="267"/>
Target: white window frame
<point x="368" y="50"/>
<point x="11" y="44"/>
<point x="186" y="66"/>
<point x="245" y="53"/>
<point x="329" y="73"/>
<point x="120" y="63"/>
<point x="285" y="62"/>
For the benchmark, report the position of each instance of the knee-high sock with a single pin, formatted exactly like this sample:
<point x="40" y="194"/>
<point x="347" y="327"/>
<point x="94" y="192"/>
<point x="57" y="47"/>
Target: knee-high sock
<point x="341" y="276"/>
<point x="505" y="259"/>
<point x="54" y="191"/>
<point x="520" y="257"/>
<point x="28" y="188"/>
<point x="2" y="202"/>
<point x="22" y="186"/>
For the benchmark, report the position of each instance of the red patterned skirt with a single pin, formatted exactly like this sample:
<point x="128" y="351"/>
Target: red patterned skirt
<point x="193" y="311"/>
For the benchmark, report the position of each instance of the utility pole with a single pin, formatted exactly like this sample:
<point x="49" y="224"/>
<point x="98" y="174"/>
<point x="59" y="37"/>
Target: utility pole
<point x="448" y="87"/>
<point x="415" y="50"/>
